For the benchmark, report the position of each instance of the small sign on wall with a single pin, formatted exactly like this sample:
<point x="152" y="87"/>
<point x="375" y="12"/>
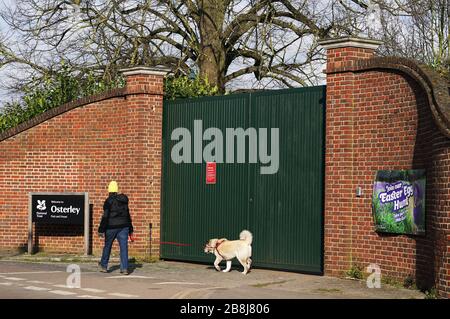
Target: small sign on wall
<point x="211" y="176"/>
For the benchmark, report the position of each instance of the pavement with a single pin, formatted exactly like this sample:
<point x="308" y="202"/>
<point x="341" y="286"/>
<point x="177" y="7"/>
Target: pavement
<point x="50" y="278"/>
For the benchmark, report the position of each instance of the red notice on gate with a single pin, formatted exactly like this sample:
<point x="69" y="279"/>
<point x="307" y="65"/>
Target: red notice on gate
<point x="210" y="173"/>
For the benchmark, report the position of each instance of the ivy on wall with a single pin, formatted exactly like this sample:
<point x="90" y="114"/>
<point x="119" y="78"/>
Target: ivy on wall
<point x="64" y="87"/>
<point x="51" y="92"/>
<point x="184" y="87"/>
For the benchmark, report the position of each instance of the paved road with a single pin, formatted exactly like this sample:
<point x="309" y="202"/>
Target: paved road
<point x="177" y="281"/>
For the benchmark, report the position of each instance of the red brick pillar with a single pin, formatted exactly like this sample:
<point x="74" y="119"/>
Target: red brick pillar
<point x="144" y="99"/>
<point x="340" y="185"/>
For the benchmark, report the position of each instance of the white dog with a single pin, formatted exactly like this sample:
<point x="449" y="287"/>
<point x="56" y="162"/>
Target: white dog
<point x="225" y="249"/>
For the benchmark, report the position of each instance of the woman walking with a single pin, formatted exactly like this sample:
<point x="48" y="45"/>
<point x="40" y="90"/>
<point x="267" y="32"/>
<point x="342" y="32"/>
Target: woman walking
<point x="115" y="223"/>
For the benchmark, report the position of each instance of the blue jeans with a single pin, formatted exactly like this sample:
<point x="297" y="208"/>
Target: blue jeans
<point x="122" y="237"/>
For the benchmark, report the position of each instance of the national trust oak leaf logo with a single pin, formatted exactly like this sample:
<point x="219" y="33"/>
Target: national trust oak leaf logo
<point x="41" y="205"/>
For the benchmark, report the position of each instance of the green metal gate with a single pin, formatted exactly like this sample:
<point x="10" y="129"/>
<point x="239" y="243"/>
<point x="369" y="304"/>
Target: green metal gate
<point x="284" y="211"/>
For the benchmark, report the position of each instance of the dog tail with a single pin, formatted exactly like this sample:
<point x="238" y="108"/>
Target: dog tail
<point x="246" y="236"/>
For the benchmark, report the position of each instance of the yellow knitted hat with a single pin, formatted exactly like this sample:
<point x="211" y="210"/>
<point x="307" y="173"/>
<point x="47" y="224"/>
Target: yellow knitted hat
<point x="113" y="187"/>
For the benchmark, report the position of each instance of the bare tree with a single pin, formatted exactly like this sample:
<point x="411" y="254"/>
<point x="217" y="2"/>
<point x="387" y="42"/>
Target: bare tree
<point x="423" y="34"/>
<point x="417" y="29"/>
<point x="268" y="42"/>
<point x="238" y="43"/>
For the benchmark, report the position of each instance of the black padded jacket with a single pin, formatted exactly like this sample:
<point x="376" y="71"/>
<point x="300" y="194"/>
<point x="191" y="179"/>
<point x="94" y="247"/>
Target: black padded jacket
<point x="116" y="213"/>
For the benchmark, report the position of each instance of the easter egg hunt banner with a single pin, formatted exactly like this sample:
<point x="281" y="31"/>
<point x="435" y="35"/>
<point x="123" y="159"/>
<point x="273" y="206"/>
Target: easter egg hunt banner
<point x="398" y="202"/>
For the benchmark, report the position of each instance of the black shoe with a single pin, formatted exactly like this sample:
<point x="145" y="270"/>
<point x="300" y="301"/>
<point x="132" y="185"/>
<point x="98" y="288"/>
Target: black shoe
<point x="102" y="269"/>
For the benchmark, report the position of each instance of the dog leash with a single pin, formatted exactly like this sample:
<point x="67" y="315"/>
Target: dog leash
<point x="173" y="243"/>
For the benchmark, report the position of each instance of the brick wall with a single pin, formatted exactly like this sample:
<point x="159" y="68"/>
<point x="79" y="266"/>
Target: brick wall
<point x="380" y="118"/>
<point x="81" y="147"/>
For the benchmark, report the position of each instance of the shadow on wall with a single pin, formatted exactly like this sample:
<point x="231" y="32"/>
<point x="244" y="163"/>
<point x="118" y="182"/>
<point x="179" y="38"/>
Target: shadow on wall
<point x="424" y="158"/>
